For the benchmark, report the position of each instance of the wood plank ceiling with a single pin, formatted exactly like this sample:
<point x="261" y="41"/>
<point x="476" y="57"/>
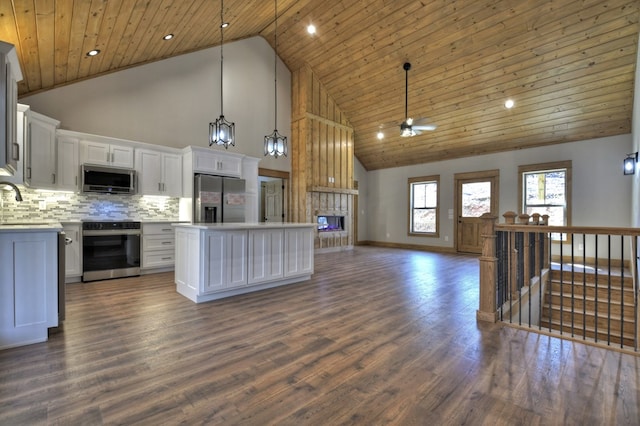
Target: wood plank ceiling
<point x="568" y="64"/>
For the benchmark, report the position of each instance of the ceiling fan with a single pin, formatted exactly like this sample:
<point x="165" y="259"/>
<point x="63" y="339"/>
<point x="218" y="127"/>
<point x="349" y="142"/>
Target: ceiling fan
<point x="410" y="127"/>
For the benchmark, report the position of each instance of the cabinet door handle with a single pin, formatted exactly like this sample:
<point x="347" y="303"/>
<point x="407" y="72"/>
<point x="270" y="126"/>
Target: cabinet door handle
<point x="166" y="258"/>
<point x="29" y="172"/>
<point x="113" y="157"/>
<point x="53" y="177"/>
<point x="159" y="186"/>
<point x="164" y="243"/>
<point x="76" y="180"/>
<point x="16" y="151"/>
<point x="108" y="157"/>
<point x="166" y="229"/>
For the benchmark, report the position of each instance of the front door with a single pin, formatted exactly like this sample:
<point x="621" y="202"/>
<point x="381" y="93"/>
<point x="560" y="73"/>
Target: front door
<point x="476" y="194"/>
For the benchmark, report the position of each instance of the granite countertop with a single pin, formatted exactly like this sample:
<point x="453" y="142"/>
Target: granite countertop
<point x="244" y="225"/>
<point x="30" y="226"/>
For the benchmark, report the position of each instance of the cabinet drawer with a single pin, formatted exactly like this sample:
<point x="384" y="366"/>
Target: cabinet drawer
<point x="157" y="229"/>
<point x="158" y="259"/>
<point x="157" y="242"/>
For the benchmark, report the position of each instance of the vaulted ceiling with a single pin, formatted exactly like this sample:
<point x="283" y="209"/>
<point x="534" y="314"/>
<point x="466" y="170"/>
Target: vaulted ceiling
<point x="568" y="65"/>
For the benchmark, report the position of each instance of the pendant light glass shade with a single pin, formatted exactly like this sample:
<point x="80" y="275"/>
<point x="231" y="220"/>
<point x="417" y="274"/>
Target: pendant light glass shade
<point x="221" y="131"/>
<point x="275" y="144"/>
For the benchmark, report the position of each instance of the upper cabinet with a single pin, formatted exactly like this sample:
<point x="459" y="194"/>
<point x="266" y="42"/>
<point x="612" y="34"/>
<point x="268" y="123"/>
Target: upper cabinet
<point x="40" y="151"/>
<point x="159" y="173"/>
<point x="106" y="154"/>
<point x="216" y="162"/>
<point x="205" y="160"/>
<point x="10" y="74"/>
<point x="68" y="162"/>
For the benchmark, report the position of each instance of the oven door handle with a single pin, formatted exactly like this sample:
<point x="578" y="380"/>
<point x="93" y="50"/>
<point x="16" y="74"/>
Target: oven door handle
<point x="107" y="232"/>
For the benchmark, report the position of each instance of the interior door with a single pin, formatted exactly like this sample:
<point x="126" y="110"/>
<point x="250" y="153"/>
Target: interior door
<point x="273" y="201"/>
<point x="476" y="194"/>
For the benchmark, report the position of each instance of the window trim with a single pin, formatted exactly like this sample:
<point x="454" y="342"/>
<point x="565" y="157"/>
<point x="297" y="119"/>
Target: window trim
<point x="423" y="179"/>
<point x="543" y="167"/>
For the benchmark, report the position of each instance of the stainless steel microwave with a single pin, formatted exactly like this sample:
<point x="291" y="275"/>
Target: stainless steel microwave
<point x="108" y="180"/>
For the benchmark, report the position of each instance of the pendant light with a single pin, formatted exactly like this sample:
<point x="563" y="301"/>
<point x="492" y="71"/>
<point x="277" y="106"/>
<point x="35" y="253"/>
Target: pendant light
<point x="222" y="132"/>
<point x="275" y="144"/>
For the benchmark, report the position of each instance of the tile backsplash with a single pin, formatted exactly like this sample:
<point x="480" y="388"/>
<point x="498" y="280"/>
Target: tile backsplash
<point x="63" y="206"/>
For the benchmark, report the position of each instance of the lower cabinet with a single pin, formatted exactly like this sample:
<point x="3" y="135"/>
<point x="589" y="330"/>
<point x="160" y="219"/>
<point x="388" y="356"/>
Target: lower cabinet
<point x="226" y="267"/>
<point x="298" y="258"/>
<point x="28" y="287"/>
<point x="158" y="246"/>
<point x="213" y="262"/>
<point x="266" y="251"/>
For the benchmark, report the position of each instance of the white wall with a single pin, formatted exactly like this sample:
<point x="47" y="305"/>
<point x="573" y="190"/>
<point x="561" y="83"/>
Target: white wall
<point x="600" y="190"/>
<point x="171" y="102"/>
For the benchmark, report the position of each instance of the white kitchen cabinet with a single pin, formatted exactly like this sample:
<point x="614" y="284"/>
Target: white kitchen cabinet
<point x="106" y="154"/>
<point x="68" y="163"/>
<point x="73" y="251"/>
<point x="158" y="246"/>
<point x="28" y="287"/>
<point x="226" y="267"/>
<point x="159" y="173"/>
<point x="298" y="258"/>
<point x="10" y="74"/>
<point x="40" y="151"/>
<point x="217" y="164"/>
<point x="266" y="251"/>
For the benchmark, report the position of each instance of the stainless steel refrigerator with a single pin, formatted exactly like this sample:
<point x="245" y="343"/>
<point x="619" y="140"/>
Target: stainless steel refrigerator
<point x="218" y="199"/>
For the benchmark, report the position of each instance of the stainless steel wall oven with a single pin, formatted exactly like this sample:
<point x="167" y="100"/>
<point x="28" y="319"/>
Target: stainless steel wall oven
<point x="110" y="249"/>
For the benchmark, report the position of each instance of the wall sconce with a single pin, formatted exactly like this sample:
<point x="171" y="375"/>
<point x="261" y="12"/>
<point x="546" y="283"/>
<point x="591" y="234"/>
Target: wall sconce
<point x="629" y="163"/>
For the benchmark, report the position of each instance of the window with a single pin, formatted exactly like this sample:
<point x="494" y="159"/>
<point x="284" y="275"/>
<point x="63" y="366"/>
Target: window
<point x="423" y="206"/>
<point x="546" y="189"/>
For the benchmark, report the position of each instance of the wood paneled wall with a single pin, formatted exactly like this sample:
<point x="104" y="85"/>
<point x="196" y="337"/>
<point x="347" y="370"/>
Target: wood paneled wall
<point x="321" y="156"/>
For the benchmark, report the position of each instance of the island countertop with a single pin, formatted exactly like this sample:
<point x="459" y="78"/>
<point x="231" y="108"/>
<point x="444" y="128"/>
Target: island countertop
<point x="244" y="225"/>
<point x="30" y="226"/>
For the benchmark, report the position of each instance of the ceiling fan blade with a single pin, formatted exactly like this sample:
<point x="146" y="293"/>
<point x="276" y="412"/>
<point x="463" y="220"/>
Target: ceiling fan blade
<point x="424" y="127"/>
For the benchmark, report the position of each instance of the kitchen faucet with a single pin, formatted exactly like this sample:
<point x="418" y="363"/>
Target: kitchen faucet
<point x="18" y="197"/>
<point x="15" y="188"/>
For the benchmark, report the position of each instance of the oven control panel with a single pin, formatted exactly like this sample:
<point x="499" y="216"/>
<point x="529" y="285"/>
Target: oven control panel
<point x="110" y="225"/>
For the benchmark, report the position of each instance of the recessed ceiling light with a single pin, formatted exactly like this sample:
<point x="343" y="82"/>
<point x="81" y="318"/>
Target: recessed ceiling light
<point x="224" y="25"/>
<point x="380" y="135"/>
<point x="311" y="29"/>
<point x="509" y="103"/>
<point x="93" y="52"/>
<point x="168" y="37"/>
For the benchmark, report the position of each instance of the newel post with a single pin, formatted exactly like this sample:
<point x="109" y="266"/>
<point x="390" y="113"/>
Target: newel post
<point x="488" y="262"/>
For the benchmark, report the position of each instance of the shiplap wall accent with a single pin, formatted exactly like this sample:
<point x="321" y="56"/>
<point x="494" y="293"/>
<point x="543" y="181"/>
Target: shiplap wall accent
<point x="69" y="207"/>
<point x="321" y="159"/>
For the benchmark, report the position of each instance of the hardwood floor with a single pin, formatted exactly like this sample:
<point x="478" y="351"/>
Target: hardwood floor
<point x="378" y="336"/>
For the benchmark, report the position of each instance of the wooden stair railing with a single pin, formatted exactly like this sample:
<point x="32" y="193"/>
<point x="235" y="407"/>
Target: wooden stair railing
<point x="529" y="279"/>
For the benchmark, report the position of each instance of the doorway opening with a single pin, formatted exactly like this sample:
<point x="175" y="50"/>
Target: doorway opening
<point x="273" y="196"/>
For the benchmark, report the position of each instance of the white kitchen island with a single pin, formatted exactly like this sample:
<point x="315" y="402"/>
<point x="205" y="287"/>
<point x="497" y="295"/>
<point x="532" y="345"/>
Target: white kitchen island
<point x="225" y="259"/>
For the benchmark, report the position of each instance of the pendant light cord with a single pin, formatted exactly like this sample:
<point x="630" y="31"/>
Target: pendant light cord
<point x="275" y="66"/>
<point x="221" y="56"/>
